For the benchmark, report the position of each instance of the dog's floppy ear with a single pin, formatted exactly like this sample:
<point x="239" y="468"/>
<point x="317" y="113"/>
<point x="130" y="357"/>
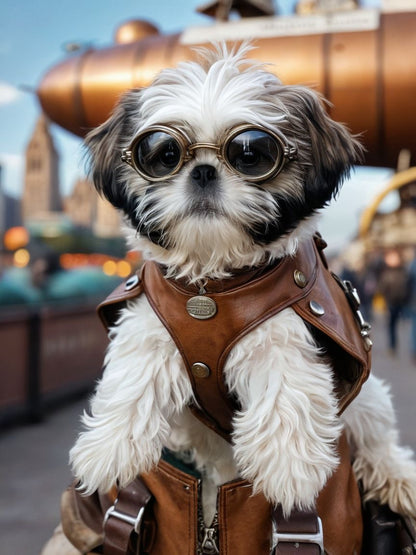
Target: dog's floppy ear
<point x="104" y="146"/>
<point x="331" y="150"/>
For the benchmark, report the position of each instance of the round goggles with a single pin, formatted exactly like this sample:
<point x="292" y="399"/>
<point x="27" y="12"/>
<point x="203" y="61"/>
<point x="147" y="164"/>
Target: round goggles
<point x="250" y="151"/>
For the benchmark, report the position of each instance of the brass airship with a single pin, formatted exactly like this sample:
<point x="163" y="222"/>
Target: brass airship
<point x="363" y="62"/>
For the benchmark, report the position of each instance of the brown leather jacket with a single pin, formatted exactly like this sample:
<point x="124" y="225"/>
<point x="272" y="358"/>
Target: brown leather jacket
<point x="171" y="524"/>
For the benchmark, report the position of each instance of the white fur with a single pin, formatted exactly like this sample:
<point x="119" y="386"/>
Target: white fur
<point x="193" y="258"/>
<point x="285" y="435"/>
<point x="142" y="388"/>
<point x="387" y="470"/>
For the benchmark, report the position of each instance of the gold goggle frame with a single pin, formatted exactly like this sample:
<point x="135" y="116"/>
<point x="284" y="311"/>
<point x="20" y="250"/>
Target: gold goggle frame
<point x="187" y="148"/>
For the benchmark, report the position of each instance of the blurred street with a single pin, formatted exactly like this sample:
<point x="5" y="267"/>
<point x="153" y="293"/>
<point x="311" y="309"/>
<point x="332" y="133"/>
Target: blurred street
<point x="33" y="458"/>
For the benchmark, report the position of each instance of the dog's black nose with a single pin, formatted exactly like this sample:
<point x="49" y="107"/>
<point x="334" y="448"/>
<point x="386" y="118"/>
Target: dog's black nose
<point x="204" y="176"/>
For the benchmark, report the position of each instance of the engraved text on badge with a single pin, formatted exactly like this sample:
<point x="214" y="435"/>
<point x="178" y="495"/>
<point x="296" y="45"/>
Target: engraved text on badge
<point x="201" y="308"/>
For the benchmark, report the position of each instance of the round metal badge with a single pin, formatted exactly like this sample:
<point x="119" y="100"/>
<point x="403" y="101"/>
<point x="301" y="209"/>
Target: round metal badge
<point x="201" y="308"/>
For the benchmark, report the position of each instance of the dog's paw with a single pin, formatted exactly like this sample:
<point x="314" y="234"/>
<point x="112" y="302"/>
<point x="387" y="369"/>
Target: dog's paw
<point x="288" y="470"/>
<point x="286" y="432"/>
<point x="298" y="491"/>
<point x="103" y="457"/>
<point x="391" y="479"/>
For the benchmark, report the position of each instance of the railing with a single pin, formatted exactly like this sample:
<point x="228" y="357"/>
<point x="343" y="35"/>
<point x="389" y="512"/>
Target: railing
<point x="47" y="354"/>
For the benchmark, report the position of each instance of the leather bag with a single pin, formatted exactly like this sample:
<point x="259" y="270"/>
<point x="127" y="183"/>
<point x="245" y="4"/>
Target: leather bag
<point x="386" y="532"/>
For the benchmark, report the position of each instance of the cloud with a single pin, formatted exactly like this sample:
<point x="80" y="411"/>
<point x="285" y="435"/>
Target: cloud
<point x="13" y="168"/>
<point x="8" y="93"/>
<point x="12" y="161"/>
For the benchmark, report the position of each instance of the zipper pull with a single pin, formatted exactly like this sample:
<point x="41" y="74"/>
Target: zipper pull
<point x="209" y="543"/>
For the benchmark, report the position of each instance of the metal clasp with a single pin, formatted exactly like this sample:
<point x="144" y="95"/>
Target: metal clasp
<point x="299" y="538"/>
<point x="133" y="521"/>
<point x="290" y="152"/>
<point x="355" y="303"/>
<point x="126" y="156"/>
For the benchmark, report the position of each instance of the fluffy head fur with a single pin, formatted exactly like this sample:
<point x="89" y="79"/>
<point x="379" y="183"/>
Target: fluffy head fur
<point x="207" y="232"/>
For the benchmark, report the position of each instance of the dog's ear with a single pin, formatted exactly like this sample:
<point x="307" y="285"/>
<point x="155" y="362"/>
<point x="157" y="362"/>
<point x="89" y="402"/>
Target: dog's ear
<point x="104" y="146"/>
<point x="330" y="150"/>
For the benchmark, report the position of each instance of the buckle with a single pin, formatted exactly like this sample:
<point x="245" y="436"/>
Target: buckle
<point x="299" y="538"/>
<point x="133" y="521"/>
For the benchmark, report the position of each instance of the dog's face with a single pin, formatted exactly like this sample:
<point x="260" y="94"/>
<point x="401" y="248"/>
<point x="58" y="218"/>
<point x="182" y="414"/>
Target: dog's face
<point x="218" y="165"/>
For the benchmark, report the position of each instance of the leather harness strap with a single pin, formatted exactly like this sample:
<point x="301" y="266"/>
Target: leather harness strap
<point x="123" y="521"/>
<point x="300" y="533"/>
<point x="240" y="308"/>
<point x="209" y="341"/>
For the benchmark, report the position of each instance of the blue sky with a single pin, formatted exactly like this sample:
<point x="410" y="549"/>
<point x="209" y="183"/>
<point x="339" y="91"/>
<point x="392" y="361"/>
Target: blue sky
<point x="32" y="39"/>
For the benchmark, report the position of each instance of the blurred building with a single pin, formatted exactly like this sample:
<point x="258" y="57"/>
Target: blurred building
<point x="42" y="201"/>
<point x="41" y="194"/>
<point x="106" y="219"/>
<point x="9" y="209"/>
<point x="80" y="205"/>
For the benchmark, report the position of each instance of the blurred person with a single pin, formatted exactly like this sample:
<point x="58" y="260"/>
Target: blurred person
<point x="32" y="285"/>
<point x="368" y="281"/>
<point x="394" y="286"/>
<point x="43" y="268"/>
<point x="412" y="305"/>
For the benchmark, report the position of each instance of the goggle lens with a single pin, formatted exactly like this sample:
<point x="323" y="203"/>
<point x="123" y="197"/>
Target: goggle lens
<point x="157" y="154"/>
<point x="253" y="153"/>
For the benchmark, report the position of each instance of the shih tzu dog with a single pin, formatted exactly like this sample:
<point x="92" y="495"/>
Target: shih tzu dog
<point x="220" y="169"/>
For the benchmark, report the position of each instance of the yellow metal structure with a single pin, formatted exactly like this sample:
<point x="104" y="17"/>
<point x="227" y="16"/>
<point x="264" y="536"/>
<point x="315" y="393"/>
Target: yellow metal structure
<point x="397" y="181"/>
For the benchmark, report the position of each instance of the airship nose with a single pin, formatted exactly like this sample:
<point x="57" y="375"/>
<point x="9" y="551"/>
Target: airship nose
<point x="80" y="92"/>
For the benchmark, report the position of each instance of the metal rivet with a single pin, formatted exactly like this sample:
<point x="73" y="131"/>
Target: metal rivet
<point x="131" y="282"/>
<point x="300" y="278"/>
<point x="316" y="308"/>
<point x="200" y="370"/>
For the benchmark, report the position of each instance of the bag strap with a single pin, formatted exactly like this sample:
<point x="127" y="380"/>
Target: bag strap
<point x="300" y="533"/>
<point x="123" y="526"/>
<point x="407" y="534"/>
<point x="123" y="521"/>
<point x="387" y="532"/>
